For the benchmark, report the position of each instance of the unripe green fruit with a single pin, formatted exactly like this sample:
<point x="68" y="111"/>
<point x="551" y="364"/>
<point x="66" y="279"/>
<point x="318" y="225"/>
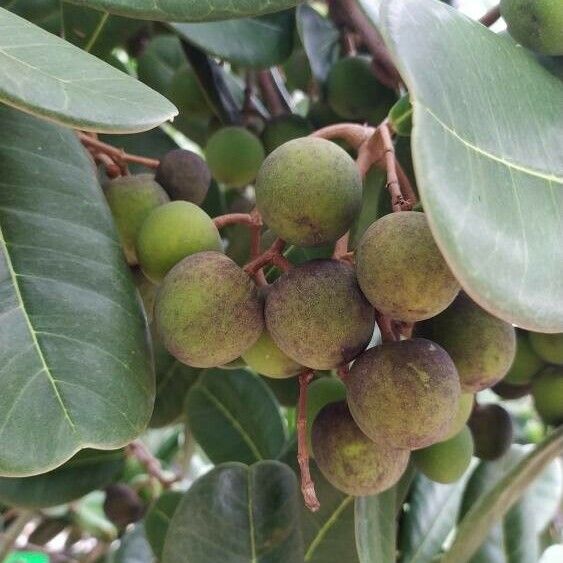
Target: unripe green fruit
<point x="492" y="431"/>
<point x="401" y="270"/>
<point x="548" y="346"/>
<point x="131" y="199"/>
<point x="446" y="462"/>
<point x="237" y="363"/>
<point x="267" y="359"/>
<point x="321" y="114"/>
<point x="536" y="24"/>
<point x="158" y="63"/>
<point x="208" y="311"/>
<point x="526" y="362"/>
<point x="184" y="175"/>
<point x="348" y="459"/>
<point x="509" y="391"/>
<point x="317" y="314"/>
<point x="547" y="390"/>
<point x="320" y="393"/>
<point x="400" y="116"/>
<point x="187" y="94"/>
<point x="234" y="156"/>
<point x="284" y="128"/>
<point x="482" y="346"/>
<point x="309" y="191"/>
<point x="464" y="408"/>
<point x="354" y="92"/>
<point x="172" y="232"/>
<point x="404" y="393"/>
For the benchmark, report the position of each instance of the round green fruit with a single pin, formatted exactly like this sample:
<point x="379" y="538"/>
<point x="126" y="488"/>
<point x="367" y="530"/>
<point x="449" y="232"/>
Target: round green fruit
<point x="317" y="314"/>
<point x="309" y="191"/>
<point x="547" y="390"/>
<point x="208" y="311"/>
<point x="492" y="431"/>
<point x="184" y="175"/>
<point x="548" y="347"/>
<point x="482" y="346"/>
<point x="131" y="199"/>
<point x="535" y="24"/>
<point x="234" y="156"/>
<point x="404" y="393"/>
<point x="284" y="128"/>
<point x="446" y="462"/>
<point x="354" y="92"/>
<point x="172" y="232"/>
<point x="157" y="64"/>
<point x="526" y="362"/>
<point x="321" y="115"/>
<point x="187" y="95"/>
<point x="267" y="359"/>
<point x="400" y="269"/>
<point x="348" y="459"/>
<point x="464" y="408"/>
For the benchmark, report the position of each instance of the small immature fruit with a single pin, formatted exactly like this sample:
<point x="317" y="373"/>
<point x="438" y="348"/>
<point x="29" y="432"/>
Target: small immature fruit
<point x="535" y="24"/>
<point x="309" y="191"/>
<point x="492" y="431"/>
<point x="122" y="505"/>
<point x="510" y="391"/>
<point x="354" y="92"/>
<point x="267" y="359"/>
<point x="404" y="393"/>
<point x="187" y="95"/>
<point x="548" y="346"/>
<point x="284" y="128"/>
<point x="446" y="462"/>
<point x="464" y="408"/>
<point x="482" y="346"/>
<point x="547" y="390"/>
<point x="348" y="459"/>
<point x="131" y="199"/>
<point x="234" y="156"/>
<point x="172" y="232"/>
<point x="184" y="175"/>
<point x="317" y="314"/>
<point x="400" y="269"/>
<point x="208" y="311"/>
<point x="526" y="362"/>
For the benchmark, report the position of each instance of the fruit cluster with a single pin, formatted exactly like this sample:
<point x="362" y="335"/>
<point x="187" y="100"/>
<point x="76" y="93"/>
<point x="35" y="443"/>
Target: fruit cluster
<point x="412" y="393"/>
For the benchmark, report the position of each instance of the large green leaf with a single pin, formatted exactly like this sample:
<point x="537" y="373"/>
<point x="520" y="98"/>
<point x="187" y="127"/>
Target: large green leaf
<point x="75" y="364"/>
<point x="376" y="529"/>
<point x="86" y="471"/>
<point x="234" y="416"/>
<point x="133" y="547"/>
<point x="238" y="514"/>
<point x="158" y="519"/>
<point x="42" y="74"/>
<point x="486" y="140"/>
<point x="490" y="508"/>
<point x="188" y="10"/>
<point x="432" y="515"/>
<point x="249" y="42"/>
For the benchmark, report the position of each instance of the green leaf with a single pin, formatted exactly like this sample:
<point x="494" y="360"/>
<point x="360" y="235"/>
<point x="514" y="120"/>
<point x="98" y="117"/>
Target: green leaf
<point x="238" y="514"/>
<point x="86" y="471"/>
<point x="44" y="13"/>
<point x="376" y="530"/>
<point x="249" y="42"/>
<point x="133" y="547"/>
<point x="158" y="519"/>
<point x="188" y="11"/>
<point x="432" y="515"/>
<point x="76" y="367"/>
<point x="320" y="39"/>
<point x="491" y="507"/>
<point x="234" y="416"/>
<point x="486" y="141"/>
<point x="44" y="75"/>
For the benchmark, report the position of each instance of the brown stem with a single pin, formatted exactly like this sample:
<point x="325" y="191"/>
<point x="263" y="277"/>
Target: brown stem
<point x="138" y="450"/>
<point x="307" y="485"/>
<point x="341" y="246"/>
<point x="281" y="262"/>
<point x="234" y="219"/>
<point x="343" y="372"/>
<point x="113" y="170"/>
<point x="118" y="155"/>
<point x="270" y="94"/>
<point x="385" y="327"/>
<point x="355" y="135"/>
<point x="406" y="186"/>
<point x="491" y="17"/>
<point x="266" y="257"/>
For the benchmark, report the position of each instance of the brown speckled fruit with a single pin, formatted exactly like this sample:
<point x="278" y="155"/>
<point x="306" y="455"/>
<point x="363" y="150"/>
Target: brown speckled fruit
<point x="317" y="314"/>
<point x="481" y="346"/>
<point x="208" y="311"/>
<point x="404" y="393"/>
<point x="400" y="269"/>
<point x="348" y="459"/>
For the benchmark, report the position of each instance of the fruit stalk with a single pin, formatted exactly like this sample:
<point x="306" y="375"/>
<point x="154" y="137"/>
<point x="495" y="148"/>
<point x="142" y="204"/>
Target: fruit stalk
<point x="490" y="17"/>
<point x="138" y="450"/>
